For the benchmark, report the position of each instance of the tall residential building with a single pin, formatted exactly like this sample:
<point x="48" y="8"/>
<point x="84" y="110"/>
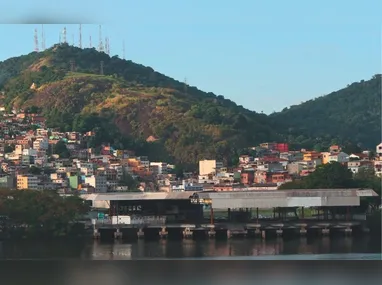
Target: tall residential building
<point x="27" y="182"/>
<point x="209" y="166"/>
<point x="99" y="182"/>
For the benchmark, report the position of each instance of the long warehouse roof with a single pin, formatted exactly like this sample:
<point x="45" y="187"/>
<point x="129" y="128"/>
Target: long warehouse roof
<point x="255" y="194"/>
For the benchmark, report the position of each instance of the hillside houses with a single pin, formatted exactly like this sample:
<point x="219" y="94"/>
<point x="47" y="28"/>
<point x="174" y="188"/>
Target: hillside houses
<point x="38" y="158"/>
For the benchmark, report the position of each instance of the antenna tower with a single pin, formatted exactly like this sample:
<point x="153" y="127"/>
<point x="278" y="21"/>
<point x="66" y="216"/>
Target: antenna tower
<point x="80" y="40"/>
<point x="42" y="37"/>
<point x="123" y="50"/>
<point x="64" y="36"/>
<point x="90" y="41"/>
<point x="101" y="67"/>
<point x="100" y="45"/>
<point x="36" y="40"/>
<point x="107" y="46"/>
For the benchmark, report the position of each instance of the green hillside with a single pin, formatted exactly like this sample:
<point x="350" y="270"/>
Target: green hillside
<point x="129" y="103"/>
<point x="352" y="114"/>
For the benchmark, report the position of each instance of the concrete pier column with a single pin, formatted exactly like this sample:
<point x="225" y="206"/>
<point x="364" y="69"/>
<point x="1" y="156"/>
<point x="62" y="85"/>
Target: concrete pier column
<point x="263" y="234"/>
<point x="229" y="234"/>
<point x="117" y="234"/>
<point x="257" y="232"/>
<point x="325" y="231"/>
<point x="348" y="231"/>
<point x="303" y="231"/>
<point x="163" y="232"/>
<point x="212" y="233"/>
<point x="279" y="232"/>
<point x="96" y="234"/>
<point x="140" y="233"/>
<point x="187" y="233"/>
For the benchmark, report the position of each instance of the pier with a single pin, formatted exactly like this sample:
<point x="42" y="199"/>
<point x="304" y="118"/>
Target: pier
<point x="185" y="215"/>
<point x="262" y="230"/>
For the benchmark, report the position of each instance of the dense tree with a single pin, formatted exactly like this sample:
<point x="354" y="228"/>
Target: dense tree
<point x="44" y="213"/>
<point x="61" y="149"/>
<point x="350" y="116"/>
<point x="34" y="170"/>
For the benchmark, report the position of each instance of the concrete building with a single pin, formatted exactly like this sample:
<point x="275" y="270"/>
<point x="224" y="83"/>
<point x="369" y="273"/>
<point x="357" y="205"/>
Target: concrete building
<point x="27" y="182"/>
<point x="340" y="157"/>
<point x="158" y="167"/>
<point x="41" y="143"/>
<point x="7" y="181"/>
<point x="99" y="182"/>
<point x="378" y="151"/>
<point x="209" y="166"/>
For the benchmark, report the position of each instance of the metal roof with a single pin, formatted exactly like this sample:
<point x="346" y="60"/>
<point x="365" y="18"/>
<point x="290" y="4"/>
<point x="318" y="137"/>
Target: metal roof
<point x="255" y="194"/>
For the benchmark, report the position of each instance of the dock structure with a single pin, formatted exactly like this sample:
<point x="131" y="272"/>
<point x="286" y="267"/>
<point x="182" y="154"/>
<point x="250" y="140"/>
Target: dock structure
<point x="181" y="214"/>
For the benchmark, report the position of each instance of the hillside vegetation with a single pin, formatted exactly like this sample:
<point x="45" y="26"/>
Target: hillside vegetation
<point x="352" y="114"/>
<point x="129" y="103"/>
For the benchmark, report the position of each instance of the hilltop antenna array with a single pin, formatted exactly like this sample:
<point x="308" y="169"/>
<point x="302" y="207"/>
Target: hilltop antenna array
<point x="36" y="40"/>
<point x="100" y="45"/>
<point x="90" y="41"/>
<point x="80" y="39"/>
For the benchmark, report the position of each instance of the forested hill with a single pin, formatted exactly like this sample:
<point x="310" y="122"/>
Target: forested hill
<point x="352" y="114"/>
<point x="127" y="102"/>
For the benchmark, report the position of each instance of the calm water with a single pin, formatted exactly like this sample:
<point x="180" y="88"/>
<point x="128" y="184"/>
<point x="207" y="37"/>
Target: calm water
<point x="321" y="248"/>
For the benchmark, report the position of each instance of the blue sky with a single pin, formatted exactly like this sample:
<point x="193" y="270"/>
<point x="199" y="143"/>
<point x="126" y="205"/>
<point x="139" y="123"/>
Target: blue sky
<point x="264" y="55"/>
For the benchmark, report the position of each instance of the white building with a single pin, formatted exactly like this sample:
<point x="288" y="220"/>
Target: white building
<point x="99" y="182"/>
<point x="378" y="151"/>
<point x="160" y="166"/>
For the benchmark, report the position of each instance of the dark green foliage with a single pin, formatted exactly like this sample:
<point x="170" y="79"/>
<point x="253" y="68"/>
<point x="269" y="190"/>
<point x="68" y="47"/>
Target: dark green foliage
<point x="34" y="170"/>
<point x="61" y="149"/>
<point x="41" y="213"/>
<point x="352" y="114"/>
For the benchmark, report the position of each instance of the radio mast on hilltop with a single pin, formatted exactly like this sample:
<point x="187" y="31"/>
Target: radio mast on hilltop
<point x="90" y="41"/>
<point x="100" y="45"/>
<point x="64" y="36"/>
<point x="42" y="37"/>
<point x="80" y="39"/>
<point x="36" y="40"/>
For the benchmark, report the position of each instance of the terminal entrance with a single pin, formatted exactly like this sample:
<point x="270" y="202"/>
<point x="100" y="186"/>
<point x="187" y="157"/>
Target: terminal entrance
<point x="175" y="211"/>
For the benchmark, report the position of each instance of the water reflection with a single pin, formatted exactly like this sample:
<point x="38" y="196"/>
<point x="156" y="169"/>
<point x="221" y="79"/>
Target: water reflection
<point x="120" y="250"/>
<point x="213" y="248"/>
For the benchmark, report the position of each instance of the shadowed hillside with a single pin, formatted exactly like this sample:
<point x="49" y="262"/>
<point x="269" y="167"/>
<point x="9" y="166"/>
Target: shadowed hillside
<point x="352" y="114"/>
